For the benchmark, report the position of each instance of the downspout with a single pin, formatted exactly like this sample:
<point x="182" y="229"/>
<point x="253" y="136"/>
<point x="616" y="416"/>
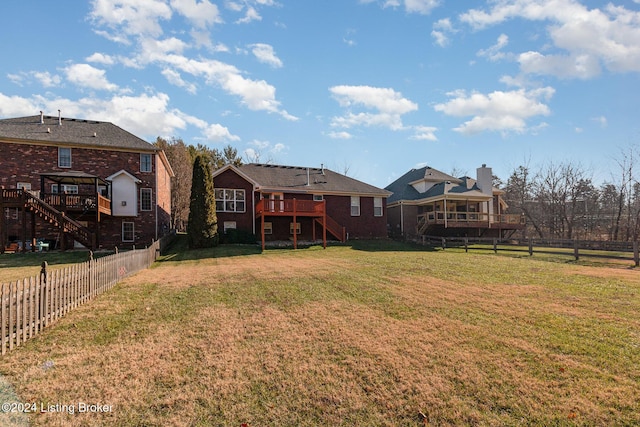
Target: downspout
<point x="253" y="207"/>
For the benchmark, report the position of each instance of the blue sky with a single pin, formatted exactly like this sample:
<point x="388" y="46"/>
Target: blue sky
<point x="375" y="87"/>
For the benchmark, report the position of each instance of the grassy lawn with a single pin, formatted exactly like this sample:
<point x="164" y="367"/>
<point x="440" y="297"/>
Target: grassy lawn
<point x="370" y="335"/>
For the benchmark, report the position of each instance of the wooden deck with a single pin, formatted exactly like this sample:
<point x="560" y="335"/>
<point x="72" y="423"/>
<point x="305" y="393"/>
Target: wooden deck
<point x="289" y="207"/>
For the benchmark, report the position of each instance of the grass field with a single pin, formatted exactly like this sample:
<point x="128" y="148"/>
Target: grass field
<point x="374" y="334"/>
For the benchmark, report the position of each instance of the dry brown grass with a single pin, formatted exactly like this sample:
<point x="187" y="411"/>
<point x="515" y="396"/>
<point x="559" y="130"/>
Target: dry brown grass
<point x="346" y="337"/>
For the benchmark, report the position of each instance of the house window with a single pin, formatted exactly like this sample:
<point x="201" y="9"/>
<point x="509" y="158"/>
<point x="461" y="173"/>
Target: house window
<point x="128" y="232"/>
<point x="230" y="200"/>
<point x="298" y="229"/>
<point x="355" y="206"/>
<point x="24" y="186"/>
<point x="377" y="206"/>
<point x="229" y="225"/>
<point x="64" y="157"/>
<point x="145" y="199"/>
<point x="318" y="197"/>
<point x="268" y="228"/>
<point x="64" y="189"/>
<point x="145" y="163"/>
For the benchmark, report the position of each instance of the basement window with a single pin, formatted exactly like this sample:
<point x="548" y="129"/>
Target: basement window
<point x="128" y="234"/>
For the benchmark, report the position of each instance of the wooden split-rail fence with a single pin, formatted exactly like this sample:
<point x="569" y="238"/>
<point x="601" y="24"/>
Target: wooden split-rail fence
<point x="28" y="306"/>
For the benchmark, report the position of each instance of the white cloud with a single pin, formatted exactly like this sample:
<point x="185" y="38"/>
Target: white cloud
<point x="587" y="40"/>
<point x="131" y="17"/>
<point x="176" y="79"/>
<point x="101" y="58"/>
<point x="86" y="76"/>
<point x="250" y="15"/>
<point x="563" y="66"/>
<point x="265" y="54"/>
<point x="494" y="53"/>
<point x="46" y="79"/>
<point x="602" y="121"/>
<point x="219" y="133"/>
<point x="202" y="14"/>
<point x="388" y="104"/>
<point x="441" y="30"/>
<point x="424" y="133"/>
<point x="340" y="135"/>
<point x="423" y="7"/>
<point x="263" y="151"/>
<point x="498" y="111"/>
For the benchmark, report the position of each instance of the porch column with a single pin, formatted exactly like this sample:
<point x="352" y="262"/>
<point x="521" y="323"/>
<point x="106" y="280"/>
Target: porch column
<point x="445" y="214"/>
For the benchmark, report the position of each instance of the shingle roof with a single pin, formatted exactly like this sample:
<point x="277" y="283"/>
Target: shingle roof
<point x="446" y="184"/>
<point x="71" y="132"/>
<point x="308" y="180"/>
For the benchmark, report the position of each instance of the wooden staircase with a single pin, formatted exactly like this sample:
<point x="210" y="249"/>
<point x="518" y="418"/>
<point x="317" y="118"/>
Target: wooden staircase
<point x="333" y="227"/>
<point x="50" y="214"/>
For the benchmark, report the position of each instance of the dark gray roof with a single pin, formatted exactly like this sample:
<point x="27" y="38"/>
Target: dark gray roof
<point x="73" y="177"/>
<point x="89" y="133"/>
<point x="446" y="184"/>
<point x="294" y="178"/>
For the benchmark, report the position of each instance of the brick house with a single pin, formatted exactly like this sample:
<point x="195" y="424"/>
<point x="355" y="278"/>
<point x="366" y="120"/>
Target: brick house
<point x="293" y="203"/>
<point x="73" y="181"/>
<point x="426" y="201"/>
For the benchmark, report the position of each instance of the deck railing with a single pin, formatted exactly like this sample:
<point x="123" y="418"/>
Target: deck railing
<point x="289" y="206"/>
<point x="440" y="217"/>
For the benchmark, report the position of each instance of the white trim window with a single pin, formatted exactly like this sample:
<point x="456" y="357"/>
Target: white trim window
<point x="64" y="188"/>
<point x="377" y="206"/>
<point x="318" y="197"/>
<point x="298" y="228"/>
<point x="355" y="205"/>
<point x="146" y="162"/>
<point x="146" y="199"/>
<point x="268" y="228"/>
<point x="64" y="157"/>
<point x="230" y="200"/>
<point x="26" y="186"/>
<point x="229" y="225"/>
<point x="128" y="231"/>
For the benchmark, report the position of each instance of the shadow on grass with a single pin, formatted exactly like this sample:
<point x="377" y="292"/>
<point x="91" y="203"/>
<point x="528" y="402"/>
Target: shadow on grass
<point x="31" y="259"/>
<point x="179" y="251"/>
<point x="388" y="245"/>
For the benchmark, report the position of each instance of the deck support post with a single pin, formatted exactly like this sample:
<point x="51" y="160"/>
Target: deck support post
<point x="324" y="223"/>
<point x="295" y="228"/>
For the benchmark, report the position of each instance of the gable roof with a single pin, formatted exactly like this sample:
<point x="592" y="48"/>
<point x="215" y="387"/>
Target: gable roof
<point x="71" y="132"/>
<point x="403" y="189"/>
<point x="268" y="177"/>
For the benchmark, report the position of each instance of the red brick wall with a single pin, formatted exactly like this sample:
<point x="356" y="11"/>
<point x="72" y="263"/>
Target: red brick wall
<point x="24" y="163"/>
<point x="231" y="180"/>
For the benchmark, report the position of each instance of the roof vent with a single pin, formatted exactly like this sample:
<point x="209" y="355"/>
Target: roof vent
<point x="48" y="130"/>
<point x="41" y="118"/>
<point x="95" y="134"/>
<point x="59" y="118"/>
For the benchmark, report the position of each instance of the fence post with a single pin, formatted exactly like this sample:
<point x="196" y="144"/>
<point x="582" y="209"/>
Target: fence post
<point x="530" y="246"/>
<point x="636" y="253"/>
<point x="495" y="245"/>
<point x="444" y="243"/>
<point x="44" y="314"/>
<point x="575" y="250"/>
<point x="466" y="244"/>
